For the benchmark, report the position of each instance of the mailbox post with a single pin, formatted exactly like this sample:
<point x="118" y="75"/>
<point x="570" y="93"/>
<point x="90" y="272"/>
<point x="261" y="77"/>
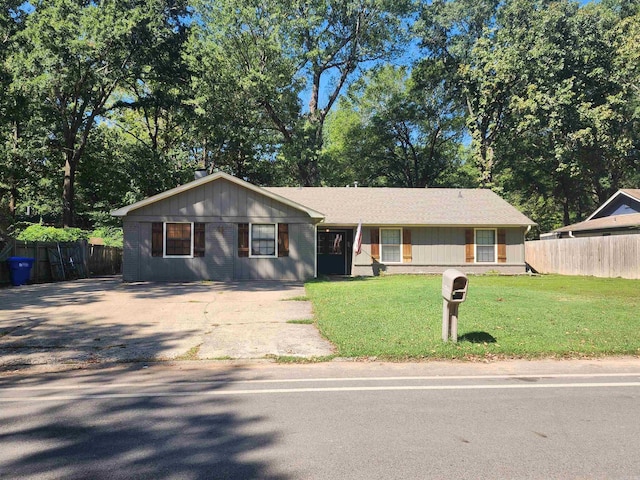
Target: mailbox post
<point x="454" y="292"/>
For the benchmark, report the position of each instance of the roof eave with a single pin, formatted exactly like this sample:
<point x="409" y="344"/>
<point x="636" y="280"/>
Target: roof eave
<point x="409" y="224"/>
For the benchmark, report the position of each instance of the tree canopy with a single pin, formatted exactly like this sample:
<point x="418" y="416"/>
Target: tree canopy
<point x="106" y="102"/>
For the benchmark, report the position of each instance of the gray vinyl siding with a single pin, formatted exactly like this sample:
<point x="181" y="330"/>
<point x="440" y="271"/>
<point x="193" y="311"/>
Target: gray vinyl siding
<point x="299" y="265"/>
<point x="515" y="245"/>
<point x="217" y="263"/>
<point x="131" y="252"/>
<point x="437" y="248"/>
<point x="221" y="206"/>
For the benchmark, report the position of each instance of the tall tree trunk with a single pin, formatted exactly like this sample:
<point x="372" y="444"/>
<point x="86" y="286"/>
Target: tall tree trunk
<point x="308" y="150"/>
<point x="68" y="190"/>
<point x="565" y="212"/>
<point x="13" y="184"/>
<point x="13" y="198"/>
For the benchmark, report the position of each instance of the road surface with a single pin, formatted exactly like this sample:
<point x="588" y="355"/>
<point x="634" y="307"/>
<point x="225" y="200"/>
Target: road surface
<point x="346" y="420"/>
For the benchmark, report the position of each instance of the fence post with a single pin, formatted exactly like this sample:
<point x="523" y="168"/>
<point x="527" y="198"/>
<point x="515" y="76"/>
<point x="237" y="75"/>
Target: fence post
<point x="84" y="247"/>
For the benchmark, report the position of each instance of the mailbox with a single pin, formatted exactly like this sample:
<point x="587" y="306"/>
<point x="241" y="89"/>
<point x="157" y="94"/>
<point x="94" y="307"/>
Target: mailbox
<point x="454" y="286"/>
<point x="454" y="292"/>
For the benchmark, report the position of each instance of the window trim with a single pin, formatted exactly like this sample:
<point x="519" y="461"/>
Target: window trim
<point x="495" y="245"/>
<point x="275" y="240"/>
<point x="164" y="241"/>
<point x="400" y="245"/>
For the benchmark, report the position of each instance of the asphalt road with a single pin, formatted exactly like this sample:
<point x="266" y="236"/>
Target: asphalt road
<point x="540" y="420"/>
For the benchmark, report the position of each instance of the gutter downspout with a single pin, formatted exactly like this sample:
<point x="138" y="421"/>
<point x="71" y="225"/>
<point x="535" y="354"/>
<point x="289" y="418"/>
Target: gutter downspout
<point x="315" y="251"/>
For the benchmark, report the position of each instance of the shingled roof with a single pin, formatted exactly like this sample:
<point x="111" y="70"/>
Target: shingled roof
<point x="632" y="192"/>
<point x="629" y="220"/>
<point x="406" y="206"/>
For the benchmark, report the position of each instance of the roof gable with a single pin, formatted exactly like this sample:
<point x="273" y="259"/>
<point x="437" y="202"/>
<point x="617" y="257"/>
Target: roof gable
<point x="124" y="211"/>
<point x="623" y="202"/>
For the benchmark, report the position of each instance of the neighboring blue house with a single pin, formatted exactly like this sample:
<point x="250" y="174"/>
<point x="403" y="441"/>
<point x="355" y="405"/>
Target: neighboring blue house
<point x="619" y="215"/>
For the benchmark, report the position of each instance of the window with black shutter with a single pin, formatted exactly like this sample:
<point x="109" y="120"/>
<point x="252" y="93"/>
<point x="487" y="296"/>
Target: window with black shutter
<point x="198" y="239"/>
<point x="243" y="239"/>
<point x="156" y="239"/>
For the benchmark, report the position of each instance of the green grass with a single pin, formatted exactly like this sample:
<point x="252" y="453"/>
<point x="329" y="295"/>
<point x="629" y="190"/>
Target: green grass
<point x="191" y="354"/>
<point x="400" y="317"/>
<point x="301" y="322"/>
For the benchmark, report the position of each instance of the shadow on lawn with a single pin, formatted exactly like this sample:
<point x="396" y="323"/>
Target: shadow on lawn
<point x="477" y="337"/>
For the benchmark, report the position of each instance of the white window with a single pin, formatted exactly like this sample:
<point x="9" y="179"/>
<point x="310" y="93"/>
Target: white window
<point x="391" y="245"/>
<point x="263" y="240"/>
<point x="486" y="246"/>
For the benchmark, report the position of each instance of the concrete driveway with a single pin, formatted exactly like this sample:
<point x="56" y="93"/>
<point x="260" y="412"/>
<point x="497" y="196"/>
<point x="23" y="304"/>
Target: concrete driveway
<point x="104" y="320"/>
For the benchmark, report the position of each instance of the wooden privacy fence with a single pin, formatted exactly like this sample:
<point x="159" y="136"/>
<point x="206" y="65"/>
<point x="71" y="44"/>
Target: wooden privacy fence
<point x="61" y="261"/>
<point x="611" y="256"/>
<point x="105" y="260"/>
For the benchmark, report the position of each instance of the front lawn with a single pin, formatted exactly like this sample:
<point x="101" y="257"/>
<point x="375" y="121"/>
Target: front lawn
<point x="399" y="317"/>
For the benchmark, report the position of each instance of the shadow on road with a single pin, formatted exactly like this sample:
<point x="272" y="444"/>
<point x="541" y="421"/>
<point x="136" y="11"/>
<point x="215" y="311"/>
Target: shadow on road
<point x="26" y="341"/>
<point x="146" y="437"/>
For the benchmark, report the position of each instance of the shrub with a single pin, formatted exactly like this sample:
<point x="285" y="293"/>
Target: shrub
<point x="41" y="233"/>
<point x="112" y="236"/>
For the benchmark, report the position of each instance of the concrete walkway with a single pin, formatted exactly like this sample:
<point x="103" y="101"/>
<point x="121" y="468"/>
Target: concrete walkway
<point x="104" y="320"/>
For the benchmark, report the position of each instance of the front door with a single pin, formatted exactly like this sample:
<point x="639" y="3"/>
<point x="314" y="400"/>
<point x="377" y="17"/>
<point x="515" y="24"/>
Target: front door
<point x="334" y="252"/>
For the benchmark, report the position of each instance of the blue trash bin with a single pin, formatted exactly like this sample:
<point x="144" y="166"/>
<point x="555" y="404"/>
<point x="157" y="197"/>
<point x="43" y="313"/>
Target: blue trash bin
<point x="20" y="268"/>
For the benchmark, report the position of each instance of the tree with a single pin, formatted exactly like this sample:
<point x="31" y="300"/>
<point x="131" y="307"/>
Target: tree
<point x="457" y="33"/>
<point x="281" y="50"/>
<point x="153" y="106"/>
<point x="229" y="131"/>
<point x="11" y="107"/>
<point x="569" y="131"/>
<point x="393" y="131"/>
<point x="76" y="55"/>
<point x="547" y="111"/>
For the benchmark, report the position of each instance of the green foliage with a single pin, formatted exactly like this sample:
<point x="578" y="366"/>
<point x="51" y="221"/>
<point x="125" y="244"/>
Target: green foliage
<point x="107" y="102"/>
<point x="112" y="236"/>
<point x="392" y="129"/>
<point x="400" y="317"/>
<point x="551" y="111"/>
<point x="276" y="51"/>
<point x="41" y="233"/>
